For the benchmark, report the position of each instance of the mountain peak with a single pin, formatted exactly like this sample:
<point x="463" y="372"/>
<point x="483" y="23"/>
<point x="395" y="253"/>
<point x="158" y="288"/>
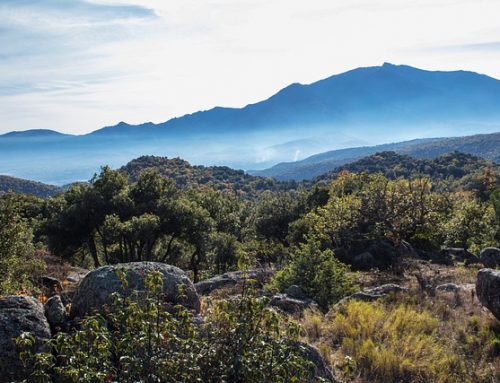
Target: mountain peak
<point x="33" y="133"/>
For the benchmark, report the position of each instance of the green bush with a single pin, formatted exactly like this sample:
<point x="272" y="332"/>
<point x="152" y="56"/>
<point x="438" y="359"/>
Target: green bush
<point x="320" y="275"/>
<point x="18" y="262"/>
<point x="141" y="340"/>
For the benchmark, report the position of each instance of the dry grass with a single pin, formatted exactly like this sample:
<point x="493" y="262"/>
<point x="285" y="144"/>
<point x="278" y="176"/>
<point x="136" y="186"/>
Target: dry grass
<point x="411" y="337"/>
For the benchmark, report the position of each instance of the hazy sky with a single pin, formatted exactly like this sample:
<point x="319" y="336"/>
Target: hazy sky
<point x="78" y="65"/>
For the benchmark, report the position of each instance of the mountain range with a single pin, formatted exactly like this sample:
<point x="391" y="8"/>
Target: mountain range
<point x="361" y="107"/>
<point x="486" y="146"/>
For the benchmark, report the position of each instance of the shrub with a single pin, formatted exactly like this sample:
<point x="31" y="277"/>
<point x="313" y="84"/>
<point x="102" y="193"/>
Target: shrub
<point x="18" y="262"/>
<point x="322" y="276"/>
<point x="141" y="340"/>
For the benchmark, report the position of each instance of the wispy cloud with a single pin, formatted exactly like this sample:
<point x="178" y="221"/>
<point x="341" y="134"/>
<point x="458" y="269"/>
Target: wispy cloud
<point x="489" y="46"/>
<point x="77" y="65"/>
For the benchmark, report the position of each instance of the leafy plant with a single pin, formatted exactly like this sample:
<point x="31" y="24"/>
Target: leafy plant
<point x="142" y="339"/>
<point x="322" y="276"/>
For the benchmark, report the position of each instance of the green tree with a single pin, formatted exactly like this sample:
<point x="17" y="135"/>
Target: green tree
<point x="18" y="263"/>
<point x="471" y="224"/>
<point x="320" y="275"/>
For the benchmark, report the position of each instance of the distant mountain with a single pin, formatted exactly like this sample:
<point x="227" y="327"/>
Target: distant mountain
<point x="364" y="106"/>
<point x="19" y="185"/>
<point x="34" y="133"/>
<point x="390" y="96"/>
<point x="486" y="146"/>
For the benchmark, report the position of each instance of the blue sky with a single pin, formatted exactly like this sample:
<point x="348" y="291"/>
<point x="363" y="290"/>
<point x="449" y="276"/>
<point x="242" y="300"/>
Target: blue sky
<point x="78" y="65"/>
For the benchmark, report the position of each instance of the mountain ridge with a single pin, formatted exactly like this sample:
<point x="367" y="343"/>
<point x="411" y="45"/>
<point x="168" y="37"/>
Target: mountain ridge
<point x="486" y="146"/>
<point x="364" y="106"/>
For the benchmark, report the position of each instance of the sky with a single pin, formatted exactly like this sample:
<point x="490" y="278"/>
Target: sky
<point x="78" y="65"/>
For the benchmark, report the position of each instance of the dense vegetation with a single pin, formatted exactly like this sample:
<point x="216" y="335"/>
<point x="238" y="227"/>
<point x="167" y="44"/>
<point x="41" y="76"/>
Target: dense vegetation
<point x="449" y="166"/>
<point x="211" y="220"/>
<point x="213" y="177"/>
<point x="451" y="201"/>
<point x="486" y="146"/>
<point x="139" y="339"/>
<point x="20" y="185"/>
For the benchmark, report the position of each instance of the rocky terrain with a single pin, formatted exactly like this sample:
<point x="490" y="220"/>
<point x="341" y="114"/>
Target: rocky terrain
<point x="452" y="287"/>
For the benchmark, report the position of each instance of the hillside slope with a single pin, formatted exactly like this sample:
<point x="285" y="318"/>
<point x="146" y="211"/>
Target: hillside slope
<point x="215" y="177"/>
<point x="23" y="186"/>
<point x="485" y="146"/>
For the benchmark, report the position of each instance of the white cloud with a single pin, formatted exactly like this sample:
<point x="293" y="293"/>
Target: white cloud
<point x="77" y="65"/>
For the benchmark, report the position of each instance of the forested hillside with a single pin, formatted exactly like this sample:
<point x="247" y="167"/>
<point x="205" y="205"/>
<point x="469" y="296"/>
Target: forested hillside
<point x="19" y="185"/>
<point x="453" y="170"/>
<point x="206" y="268"/>
<point x="486" y="146"/>
<point x="214" y="177"/>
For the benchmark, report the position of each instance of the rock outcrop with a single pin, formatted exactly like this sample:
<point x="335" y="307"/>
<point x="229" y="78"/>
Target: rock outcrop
<point x="95" y="289"/>
<point x="232" y="278"/>
<point x="449" y="287"/>
<point x="488" y="290"/>
<point x="451" y="255"/>
<point x="19" y="314"/>
<point x="291" y="305"/>
<point x="490" y="257"/>
<point x="375" y="293"/>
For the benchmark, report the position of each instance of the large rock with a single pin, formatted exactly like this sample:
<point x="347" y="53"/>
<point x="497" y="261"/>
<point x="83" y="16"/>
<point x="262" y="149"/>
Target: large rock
<point x="387" y="289"/>
<point x="96" y="288"/>
<point x="488" y="290"/>
<point x="19" y="314"/>
<point x="490" y="257"/>
<point x="374" y="293"/>
<point x="451" y="255"/>
<point x="380" y="254"/>
<point x="232" y="278"/>
<point x="291" y="305"/>
<point x="312" y="354"/>
<point x="295" y="292"/>
<point x="449" y="287"/>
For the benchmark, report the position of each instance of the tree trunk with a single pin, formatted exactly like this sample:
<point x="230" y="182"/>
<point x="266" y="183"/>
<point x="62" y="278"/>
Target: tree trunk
<point x="194" y="265"/>
<point x="93" y="251"/>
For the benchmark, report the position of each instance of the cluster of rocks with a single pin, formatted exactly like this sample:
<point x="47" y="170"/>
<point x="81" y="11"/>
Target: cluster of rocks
<point x="233" y="278"/>
<point x="19" y="314"/>
<point x="293" y="301"/>
<point x="382" y="254"/>
<point x="374" y="293"/>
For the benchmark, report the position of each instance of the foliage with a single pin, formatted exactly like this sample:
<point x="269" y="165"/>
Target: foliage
<point x="409" y="338"/>
<point x="471" y="224"/>
<point x="213" y="177"/>
<point x="273" y="213"/>
<point x="19" y="185"/>
<point x="457" y="169"/>
<point x="141" y="340"/>
<point x="18" y="264"/>
<point x="365" y="207"/>
<point x="320" y="275"/>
